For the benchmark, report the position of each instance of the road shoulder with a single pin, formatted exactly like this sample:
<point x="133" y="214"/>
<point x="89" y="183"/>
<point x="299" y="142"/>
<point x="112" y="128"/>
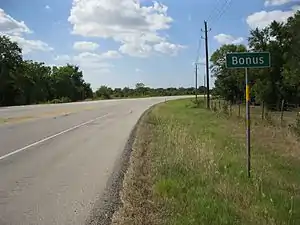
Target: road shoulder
<point x="110" y="201"/>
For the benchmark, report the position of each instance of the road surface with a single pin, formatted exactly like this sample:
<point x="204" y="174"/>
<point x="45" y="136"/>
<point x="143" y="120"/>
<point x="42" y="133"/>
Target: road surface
<point x="55" y="160"/>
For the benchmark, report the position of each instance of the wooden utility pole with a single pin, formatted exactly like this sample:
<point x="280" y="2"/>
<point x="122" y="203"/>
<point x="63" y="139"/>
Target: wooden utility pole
<point x="207" y="64"/>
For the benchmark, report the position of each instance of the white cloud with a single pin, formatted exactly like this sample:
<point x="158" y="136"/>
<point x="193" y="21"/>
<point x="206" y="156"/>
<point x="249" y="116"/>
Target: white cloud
<point x="10" y="26"/>
<point x="31" y="45"/>
<point x="263" y="18"/>
<point x="168" y="48"/>
<point x="47" y="7"/>
<point x="90" y="61"/>
<point x="137" y="70"/>
<point x="296" y="8"/>
<point x="15" y="29"/>
<point x="85" y="46"/>
<point x="136" y="49"/>
<point x="134" y="26"/>
<point x="278" y="2"/>
<point x="63" y="58"/>
<point x="111" y="55"/>
<point x="119" y="18"/>
<point x="228" y="39"/>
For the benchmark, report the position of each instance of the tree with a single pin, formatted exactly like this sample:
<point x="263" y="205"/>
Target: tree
<point x="10" y="60"/>
<point x="229" y="83"/>
<point x="104" y="92"/>
<point x="29" y="82"/>
<point x="139" y="85"/>
<point x="270" y="85"/>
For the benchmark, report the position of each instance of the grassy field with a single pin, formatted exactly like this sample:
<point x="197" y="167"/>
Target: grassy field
<point x="277" y="118"/>
<point x="188" y="167"/>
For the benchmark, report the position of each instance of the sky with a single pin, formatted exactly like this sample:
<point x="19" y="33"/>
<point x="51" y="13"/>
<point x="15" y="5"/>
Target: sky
<point x="122" y="42"/>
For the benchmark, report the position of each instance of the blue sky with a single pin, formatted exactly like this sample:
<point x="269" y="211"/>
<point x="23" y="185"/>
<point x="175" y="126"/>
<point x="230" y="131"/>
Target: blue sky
<point x="122" y="42"/>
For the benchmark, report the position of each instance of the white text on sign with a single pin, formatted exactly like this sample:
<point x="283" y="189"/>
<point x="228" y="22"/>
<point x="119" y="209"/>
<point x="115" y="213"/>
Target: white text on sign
<point x="248" y="61"/>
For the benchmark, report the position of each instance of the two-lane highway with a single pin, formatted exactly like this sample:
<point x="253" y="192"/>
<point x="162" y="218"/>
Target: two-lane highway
<point x="55" y="160"/>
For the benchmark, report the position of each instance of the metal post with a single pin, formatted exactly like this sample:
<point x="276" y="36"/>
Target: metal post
<point x="248" y="144"/>
<point x="282" y="111"/>
<point x="207" y="64"/>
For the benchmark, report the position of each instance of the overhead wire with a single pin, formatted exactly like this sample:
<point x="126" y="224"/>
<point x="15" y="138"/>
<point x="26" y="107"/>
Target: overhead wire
<point x="199" y="49"/>
<point x="216" y="14"/>
<point x="215" y="8"/>
<point x="221" y="11"/>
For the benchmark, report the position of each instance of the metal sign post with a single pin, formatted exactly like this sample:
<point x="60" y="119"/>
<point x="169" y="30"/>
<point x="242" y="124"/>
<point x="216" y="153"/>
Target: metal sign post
<point x="248" y="60"/>
<point x="248" y="132"/>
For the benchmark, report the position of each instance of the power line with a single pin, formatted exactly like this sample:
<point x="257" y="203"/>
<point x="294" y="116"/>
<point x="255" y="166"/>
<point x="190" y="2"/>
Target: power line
<point x="199" y="50"/>
<point x="222" y="10"/>
<point x="215" y="9"/>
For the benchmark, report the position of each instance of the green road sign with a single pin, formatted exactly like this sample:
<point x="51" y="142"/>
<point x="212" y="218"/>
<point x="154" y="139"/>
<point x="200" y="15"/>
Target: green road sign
<point x="248" y="60"/>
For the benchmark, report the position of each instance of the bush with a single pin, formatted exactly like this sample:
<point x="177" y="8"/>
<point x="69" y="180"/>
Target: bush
<point x="60" y="100"/>
<point x="199" y="103"/>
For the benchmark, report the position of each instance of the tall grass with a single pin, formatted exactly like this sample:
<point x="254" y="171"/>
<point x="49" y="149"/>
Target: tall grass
<point x="197" y="170"/>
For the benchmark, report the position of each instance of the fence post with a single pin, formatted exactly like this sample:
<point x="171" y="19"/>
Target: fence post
<point x="239" y="109"/>
<point x="282" y="110"/>
<point x="263" y="111"/>
<point x="219" y="105"/>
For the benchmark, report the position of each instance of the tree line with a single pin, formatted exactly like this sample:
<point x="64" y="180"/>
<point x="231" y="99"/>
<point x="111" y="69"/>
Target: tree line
<point x="24" y="82"/>
<point x="141" y="90"/>
<point x="268" y="85"/>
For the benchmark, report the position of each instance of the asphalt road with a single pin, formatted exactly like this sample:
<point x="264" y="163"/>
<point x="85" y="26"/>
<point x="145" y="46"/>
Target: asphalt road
<point x="55" y="160"/>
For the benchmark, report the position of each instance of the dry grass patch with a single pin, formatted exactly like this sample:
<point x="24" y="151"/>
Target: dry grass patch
<point x="137" y="196"/>
<point x="16" y="119"/>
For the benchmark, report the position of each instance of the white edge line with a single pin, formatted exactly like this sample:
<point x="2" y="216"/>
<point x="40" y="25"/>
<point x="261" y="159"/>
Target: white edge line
<point x="50" y="137"/>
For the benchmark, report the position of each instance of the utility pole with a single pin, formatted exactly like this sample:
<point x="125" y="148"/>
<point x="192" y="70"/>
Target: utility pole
<point x="196" y="82"/>
<point x="207" y="64"/>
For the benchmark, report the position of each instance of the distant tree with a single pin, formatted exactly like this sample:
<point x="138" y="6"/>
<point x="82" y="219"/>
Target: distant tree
<point x="104" y="92"/>
<point x="139" y="85"/>
<point x="229" y="83"/>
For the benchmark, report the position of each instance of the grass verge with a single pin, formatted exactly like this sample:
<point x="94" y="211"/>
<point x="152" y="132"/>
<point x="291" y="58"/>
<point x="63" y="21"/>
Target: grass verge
<point x="188" y="167"/>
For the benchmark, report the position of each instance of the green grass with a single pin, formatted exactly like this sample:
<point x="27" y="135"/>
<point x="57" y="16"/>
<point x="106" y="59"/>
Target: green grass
<point x="2" y="120"/>
<point x="200" y="173"/>
<point x="196" y="170"/>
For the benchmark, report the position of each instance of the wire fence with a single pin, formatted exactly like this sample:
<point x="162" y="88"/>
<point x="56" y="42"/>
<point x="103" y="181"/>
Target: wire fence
<point x="284" y="115"/>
